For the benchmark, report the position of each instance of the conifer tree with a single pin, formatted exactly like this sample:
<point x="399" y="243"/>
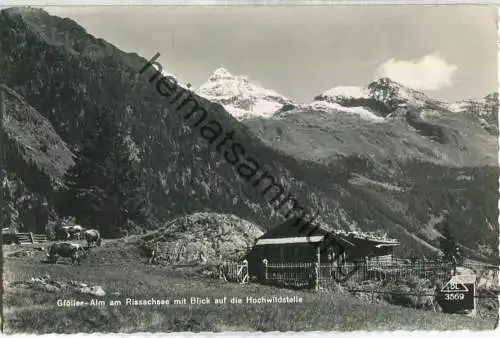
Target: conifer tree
<point x="8" y="211"/>
<point x="448" y="243"/>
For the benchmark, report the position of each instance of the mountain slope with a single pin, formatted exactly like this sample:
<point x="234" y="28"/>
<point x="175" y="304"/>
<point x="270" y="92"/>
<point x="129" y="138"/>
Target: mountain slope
<point x="379" y="146"/>
<point x="33" y="161"/>
<point x="324" y="136"/>
<point x="33" y="136"/>
<point x="484" y="111"/>
<point x="72" y="82"/>
<point x="409" y="125"/>
<point x="70" y="86"/>
<point x="377" y="136"/>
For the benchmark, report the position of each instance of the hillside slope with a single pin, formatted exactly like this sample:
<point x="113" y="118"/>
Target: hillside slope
<point x="405" y="155"/>
<point x="30" y="302"/>
<point x="72" y="83"/>
<point x="33" y="161"/>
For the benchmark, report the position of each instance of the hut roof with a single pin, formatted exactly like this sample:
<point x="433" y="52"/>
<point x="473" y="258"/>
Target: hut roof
<point x="298" y="230"/>
<point x="295" y="227"/>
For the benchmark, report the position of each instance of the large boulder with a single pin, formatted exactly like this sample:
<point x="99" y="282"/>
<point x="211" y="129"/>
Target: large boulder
<point x="95" y="290"/>
<point x="203" y="238"/>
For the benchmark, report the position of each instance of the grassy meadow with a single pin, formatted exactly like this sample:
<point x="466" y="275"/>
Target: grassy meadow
<point x="123" y="274"/>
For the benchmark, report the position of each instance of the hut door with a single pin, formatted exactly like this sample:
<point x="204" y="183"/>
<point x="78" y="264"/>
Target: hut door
<point x="333" y="254"/>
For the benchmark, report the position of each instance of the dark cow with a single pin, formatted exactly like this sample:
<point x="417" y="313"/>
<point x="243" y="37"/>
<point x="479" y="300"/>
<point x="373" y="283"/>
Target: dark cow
<point x="150" y="251"/>
<point x="60" y="233"/>
<point x="68" y="250"/>
<point x="92" y="236"/>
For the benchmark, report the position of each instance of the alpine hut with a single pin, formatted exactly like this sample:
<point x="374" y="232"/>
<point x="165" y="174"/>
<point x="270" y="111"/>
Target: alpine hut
<point x="297" y="241"/>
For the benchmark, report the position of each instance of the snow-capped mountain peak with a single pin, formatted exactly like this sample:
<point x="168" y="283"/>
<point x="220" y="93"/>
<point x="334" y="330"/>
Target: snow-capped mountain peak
<point x="240" y="97"/>
<point x="395" y="94"/>
<point x="379" y="101"/>
<point x="220" y="74"/>
<point x="372" y="103"/>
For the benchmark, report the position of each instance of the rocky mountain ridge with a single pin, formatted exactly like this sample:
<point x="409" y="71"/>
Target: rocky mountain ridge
<point x="385" y="121"/>
<point x="245" y="99"/>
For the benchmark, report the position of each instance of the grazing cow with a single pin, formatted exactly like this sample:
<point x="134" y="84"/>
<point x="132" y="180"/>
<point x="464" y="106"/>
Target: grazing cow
<point x="69" y="250"/>
<point x="74" y="231"/>
<point x="68" y="232"/>
<point x="92" y="236"/>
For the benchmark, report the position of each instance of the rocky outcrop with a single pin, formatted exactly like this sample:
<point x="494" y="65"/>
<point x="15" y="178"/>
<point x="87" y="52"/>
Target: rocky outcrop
<point x="203" y="238"/>
<point x="48" y="284"/>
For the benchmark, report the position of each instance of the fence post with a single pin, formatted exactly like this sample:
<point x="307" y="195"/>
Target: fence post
<point x="32" y="238"/>
<point x="246" y="277"/>
<point x="316" y="276"/>
<point x="317" y="268"/>
<point x="222" y="274"/>
<point x="265" y="261"/>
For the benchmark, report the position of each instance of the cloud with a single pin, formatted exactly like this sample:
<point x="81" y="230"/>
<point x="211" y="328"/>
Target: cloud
<point x="431" y="72"/>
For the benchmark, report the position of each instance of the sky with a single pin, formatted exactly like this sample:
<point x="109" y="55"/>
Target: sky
<point x="449" y="52"/>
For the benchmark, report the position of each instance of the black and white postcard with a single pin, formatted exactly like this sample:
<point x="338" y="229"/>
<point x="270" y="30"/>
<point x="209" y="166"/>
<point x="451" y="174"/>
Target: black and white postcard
<point x="249" y="168"/>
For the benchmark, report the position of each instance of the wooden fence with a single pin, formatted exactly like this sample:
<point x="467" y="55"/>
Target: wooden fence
<point x="366" y="279"/>
<point x="234" y="272"/>
<point x="295" y="275"/>
<point x="312" y="275"/>
<point x="38" y="238"/>
<point x="30" y="238"/>
<point x="398" y="270"/>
